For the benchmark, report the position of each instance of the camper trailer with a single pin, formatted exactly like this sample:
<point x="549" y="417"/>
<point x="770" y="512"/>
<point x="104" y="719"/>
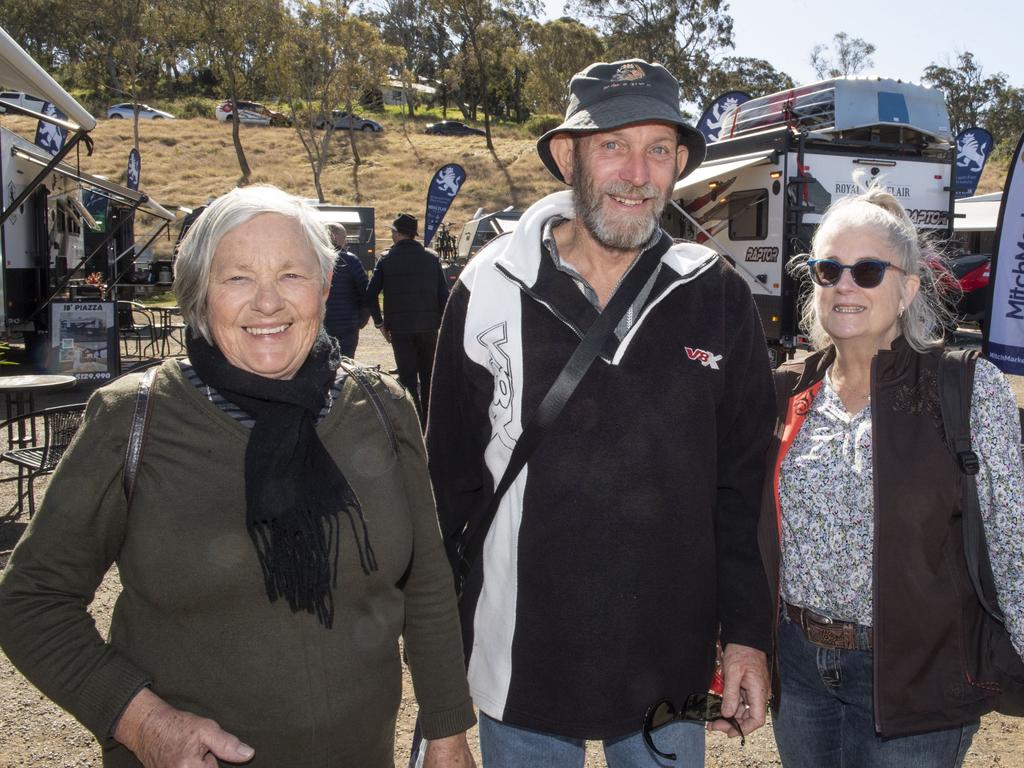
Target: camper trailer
<point x="57" y="223"/>
<point x="782" y="159"/>
<point x="358" y="221"/>
<point x="483" y="228"/>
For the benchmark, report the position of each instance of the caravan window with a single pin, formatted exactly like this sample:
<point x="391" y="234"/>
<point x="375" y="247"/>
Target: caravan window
<point x="748" y="215"/>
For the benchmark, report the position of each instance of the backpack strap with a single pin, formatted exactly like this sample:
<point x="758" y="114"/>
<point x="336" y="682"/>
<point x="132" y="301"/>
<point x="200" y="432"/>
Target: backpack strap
<point x="137" y="433"/>
<point x="360" y="376"/>
<point x="956" y="386"/>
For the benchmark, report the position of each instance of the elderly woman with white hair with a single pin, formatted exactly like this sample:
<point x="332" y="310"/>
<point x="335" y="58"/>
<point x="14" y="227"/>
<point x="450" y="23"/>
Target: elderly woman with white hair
<point x="860" y="523"/>
<point x="279" y="537"/>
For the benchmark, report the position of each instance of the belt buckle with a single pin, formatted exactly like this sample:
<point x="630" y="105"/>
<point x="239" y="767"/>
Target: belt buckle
<point x="809" y="616"/>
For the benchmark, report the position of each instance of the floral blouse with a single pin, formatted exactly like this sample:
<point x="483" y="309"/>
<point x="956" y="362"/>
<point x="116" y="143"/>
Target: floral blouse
<point x="826" y="497"/>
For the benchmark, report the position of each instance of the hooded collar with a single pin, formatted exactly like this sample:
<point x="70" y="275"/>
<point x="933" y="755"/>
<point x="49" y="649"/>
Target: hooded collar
<point x="522" y="255"/>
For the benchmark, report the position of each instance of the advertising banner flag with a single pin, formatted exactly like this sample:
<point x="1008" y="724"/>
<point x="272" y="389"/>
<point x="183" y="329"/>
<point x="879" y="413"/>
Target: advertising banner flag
<point x="973" y="146"/>
<point x="711" y="121"/>
<point x="1003" y="340"/>
<point x="134" y="169"/>
<point x="443" y="188"/>
<point x="51" y="137"/>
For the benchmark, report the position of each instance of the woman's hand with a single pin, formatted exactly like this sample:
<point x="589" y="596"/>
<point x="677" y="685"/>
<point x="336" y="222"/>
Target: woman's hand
<point x="161" y="736"/>
<point x="449" y="752"/>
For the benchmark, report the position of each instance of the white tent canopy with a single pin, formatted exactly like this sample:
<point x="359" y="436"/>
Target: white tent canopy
<point x="19" y="72"/>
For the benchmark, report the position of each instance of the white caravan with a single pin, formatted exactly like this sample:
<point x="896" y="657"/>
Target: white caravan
<point x="784" y="158"/>
<point x="56" y="222"/>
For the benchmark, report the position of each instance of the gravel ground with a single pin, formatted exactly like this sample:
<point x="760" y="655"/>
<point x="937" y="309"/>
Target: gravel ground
<point x="34" y="732"/>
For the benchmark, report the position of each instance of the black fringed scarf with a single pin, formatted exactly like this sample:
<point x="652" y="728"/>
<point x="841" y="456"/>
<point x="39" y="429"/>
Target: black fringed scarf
<point x="293" y="489"/>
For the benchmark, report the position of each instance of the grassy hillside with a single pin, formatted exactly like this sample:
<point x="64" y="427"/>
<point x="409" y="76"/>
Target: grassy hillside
<point x="186" y="161"/>
<point x="994" y="176"/>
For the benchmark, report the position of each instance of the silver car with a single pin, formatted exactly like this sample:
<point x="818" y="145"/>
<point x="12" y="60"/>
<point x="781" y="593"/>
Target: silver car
<point x="125" y="112"/>
<point x="343" y="121"/>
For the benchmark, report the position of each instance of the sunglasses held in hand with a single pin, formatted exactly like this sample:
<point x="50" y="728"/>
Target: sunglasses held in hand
<point x="698" y="708"/>
<point x="867" y="273"/>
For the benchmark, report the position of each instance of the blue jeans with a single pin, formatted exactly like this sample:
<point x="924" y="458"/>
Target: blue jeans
<point x="509" y="746"/>
<point x="826" y="714"/>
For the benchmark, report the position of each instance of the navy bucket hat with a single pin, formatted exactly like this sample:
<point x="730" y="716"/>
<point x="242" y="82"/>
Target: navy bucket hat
<point x="607" y="96"/>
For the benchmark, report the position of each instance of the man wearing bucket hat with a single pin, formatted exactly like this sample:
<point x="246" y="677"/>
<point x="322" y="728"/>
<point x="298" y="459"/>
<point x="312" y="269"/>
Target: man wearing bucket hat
<point x="625" y="547"/>
<point x="415" y="291"/>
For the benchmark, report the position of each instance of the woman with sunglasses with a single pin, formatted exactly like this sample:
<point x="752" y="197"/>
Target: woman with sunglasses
<point x="858" y="527"/>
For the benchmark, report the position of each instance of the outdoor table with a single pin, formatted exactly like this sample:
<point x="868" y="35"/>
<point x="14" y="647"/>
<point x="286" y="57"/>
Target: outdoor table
<point x="171" y="328"/>
<point x="19" y="397"/>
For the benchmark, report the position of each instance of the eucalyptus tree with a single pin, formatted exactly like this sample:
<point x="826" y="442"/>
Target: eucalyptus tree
<point x="683" y="35"/>
<point x="557" y="50"/>
<point x="333" y="57"/>
<point x="845" y="57"/>
<point x="970" y="93"/>
<point x="756" y="77"/>
<point x="241" y="41"/>
<point x="416" y="27"/>
<point x="476" y="24"/>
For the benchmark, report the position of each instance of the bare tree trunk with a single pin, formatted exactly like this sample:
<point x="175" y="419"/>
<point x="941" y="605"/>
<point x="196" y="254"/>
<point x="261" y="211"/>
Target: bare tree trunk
<point x="356" y="159"/>
<point x="478" y="54"/>
<point x="236" y="137"/>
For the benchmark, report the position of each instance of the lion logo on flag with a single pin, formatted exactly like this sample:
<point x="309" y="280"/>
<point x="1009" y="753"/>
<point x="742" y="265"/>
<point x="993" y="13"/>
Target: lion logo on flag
<point x="448" y="182"/>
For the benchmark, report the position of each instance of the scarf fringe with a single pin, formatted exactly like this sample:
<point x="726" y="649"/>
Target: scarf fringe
<point x="297" y="564"/>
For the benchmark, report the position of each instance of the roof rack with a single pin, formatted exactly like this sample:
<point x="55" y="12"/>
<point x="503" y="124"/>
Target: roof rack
<point x="843" y="104"/>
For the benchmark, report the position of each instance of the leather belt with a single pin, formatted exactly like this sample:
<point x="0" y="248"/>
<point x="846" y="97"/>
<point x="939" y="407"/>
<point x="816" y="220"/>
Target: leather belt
<point x="830" y="633"/>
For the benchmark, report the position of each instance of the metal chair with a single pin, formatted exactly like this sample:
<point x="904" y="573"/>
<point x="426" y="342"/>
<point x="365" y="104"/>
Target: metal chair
<point x="138" y="328"/>
<point x="59" y="425"/>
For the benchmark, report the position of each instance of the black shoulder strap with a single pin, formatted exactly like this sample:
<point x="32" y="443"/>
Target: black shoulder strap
<point x="470" y="541"/>
<point x="137" y="433"/>
<point x="956" y="385"/>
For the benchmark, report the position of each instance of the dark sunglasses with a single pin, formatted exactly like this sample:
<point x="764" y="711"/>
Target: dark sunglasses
<point x="867" y="273"/>
<point x="698" y="708"/>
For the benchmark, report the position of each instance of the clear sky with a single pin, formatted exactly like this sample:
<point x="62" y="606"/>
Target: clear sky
<point x="908" y="35"/>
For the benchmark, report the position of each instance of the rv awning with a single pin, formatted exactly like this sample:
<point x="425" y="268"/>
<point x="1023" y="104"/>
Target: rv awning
<point x="19" y="72"/>
<point x="107" y="188"/>
<point x="719" y="168"/>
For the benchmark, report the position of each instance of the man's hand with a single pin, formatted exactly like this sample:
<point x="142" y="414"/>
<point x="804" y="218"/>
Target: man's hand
<point x="161" y="736"/>
<point x="385" y="333"/>
<point x="745" y="674"/>
<point x="449" y="752"/>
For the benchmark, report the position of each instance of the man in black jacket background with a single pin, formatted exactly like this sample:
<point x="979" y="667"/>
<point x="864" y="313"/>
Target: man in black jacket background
<point x="346" y="308"/>
<point x="415" y="292"/>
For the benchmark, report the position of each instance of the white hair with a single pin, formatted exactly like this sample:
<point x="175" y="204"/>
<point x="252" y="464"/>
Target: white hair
<point x="924" y="317"/>
<point x="240" y="205"/>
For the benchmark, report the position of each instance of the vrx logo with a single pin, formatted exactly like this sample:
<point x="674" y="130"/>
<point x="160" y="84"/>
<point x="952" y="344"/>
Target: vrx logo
<point x="707" y="359"/>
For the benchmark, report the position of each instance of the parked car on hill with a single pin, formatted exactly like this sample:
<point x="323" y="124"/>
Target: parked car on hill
<point x="343" y="121"/>
<point x="125" y="112"/>
<point x="251" y="113"/>
<point x="452" y="128"/>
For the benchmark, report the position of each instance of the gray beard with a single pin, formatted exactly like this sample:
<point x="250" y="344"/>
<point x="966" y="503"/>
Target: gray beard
<point x="628" y="234"/>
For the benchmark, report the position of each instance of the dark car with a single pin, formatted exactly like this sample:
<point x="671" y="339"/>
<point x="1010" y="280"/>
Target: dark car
<point x="452" y="128"/>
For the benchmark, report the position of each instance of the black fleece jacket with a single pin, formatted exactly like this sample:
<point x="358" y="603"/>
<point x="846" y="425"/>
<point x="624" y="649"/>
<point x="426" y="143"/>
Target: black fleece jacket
<point x="629" y="541"/>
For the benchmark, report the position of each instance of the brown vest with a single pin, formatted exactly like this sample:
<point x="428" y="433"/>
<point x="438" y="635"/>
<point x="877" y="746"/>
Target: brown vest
<point x="927" y="619"/>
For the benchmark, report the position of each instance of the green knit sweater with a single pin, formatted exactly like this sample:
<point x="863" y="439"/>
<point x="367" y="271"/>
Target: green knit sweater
<point x="193" y="620"/>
